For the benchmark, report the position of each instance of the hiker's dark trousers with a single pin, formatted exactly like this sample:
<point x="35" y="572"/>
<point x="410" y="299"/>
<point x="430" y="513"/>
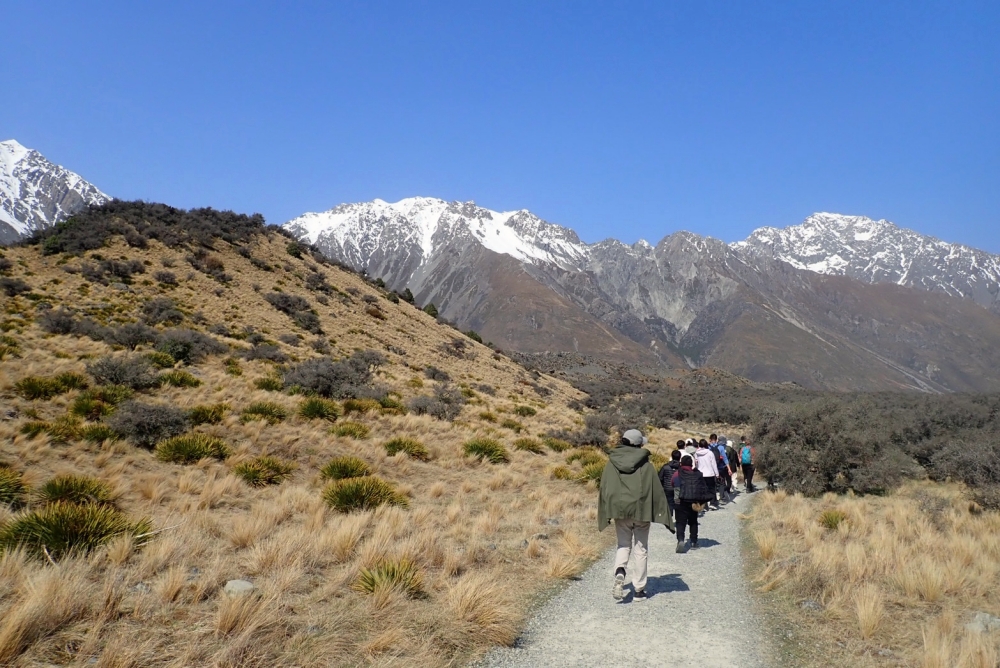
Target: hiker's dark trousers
<point x="748" y="475"/>
<point x="686" y="517"/>
<point x="710" y="489"/>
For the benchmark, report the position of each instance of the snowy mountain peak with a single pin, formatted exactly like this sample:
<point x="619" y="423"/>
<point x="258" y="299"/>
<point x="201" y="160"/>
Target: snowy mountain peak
<point x="35" y="193"/>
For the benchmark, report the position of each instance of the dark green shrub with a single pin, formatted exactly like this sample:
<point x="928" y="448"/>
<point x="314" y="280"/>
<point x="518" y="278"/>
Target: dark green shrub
<point x="365" y="493"/>
<point x="315" y="408"/>
<point x="133" y="371"/>
<point x="529" y="445"/>
<point x="525" y="411"/>
<point x="264" y="470"/>
<point x="402" y="576"/>
<point x="410" y="446"/>
<point x="474" y="335"/>
<point x="489" y="449"/>
<point x="13" y="491"/>
<point x="190" y="448"/>
<point x="60" y="529"/>
<point x="146" y="424"/>
<point x="431" y="310"/>
<point x="264" y="410"/>
<point x="351" y="430"/>
<point x="208" y="414"/>
<point x="161" y="309"/>
<point x="178" y="378"/>
<point x="77" y="489"/>
<point x="341" y="468"/>
<point x="160" y="360"/>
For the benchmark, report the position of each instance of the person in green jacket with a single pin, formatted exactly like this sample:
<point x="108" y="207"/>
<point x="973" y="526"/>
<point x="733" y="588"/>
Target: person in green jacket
<point x="632" y="496"/>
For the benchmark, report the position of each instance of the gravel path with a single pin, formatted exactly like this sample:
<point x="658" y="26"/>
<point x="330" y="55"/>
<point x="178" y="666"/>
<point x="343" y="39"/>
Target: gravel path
<point x="699" y="612"/>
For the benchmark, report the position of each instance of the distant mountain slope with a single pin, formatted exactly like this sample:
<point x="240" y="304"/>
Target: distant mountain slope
<point x="35" y="193"/>
<point x="690" y="300"/>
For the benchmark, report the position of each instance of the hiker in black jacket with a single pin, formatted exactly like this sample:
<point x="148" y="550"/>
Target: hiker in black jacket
<point x="667" y="478"/>
<point x="690" y="495"/>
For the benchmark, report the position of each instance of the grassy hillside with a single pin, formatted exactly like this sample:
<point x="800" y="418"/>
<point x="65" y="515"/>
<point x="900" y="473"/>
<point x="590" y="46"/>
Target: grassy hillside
<point x="179" y="377"/>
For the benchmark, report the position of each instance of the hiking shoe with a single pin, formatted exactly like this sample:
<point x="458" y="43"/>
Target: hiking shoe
<point x="694" y="543"/>
<point x="618" y="591"/>
<point x="681" y="547"/>
<point x="640" y="595"/>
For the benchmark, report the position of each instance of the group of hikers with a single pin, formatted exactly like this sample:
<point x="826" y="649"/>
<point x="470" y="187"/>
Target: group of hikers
<point x="634" y="495"/>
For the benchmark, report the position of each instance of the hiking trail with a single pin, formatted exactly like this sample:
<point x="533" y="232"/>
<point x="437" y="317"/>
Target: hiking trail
<point x="699" y="613"/>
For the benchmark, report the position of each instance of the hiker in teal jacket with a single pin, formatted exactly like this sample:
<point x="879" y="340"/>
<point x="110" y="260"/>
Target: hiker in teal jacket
<point x="632" y="496"/>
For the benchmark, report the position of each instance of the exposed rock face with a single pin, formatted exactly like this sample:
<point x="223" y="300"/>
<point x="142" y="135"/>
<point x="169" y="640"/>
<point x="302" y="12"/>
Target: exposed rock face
<point x="34" y="193"/>
<point x="766" y="308"/>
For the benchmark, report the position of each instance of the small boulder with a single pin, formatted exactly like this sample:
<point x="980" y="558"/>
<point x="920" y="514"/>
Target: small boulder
<point x="983" y="622"/>
<point x="239" y="587"/>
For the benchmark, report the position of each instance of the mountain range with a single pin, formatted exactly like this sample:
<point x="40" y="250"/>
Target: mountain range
<point x="835" y="302"/>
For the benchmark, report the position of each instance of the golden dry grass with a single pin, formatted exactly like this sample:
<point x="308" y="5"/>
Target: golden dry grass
<point x="894" y="580"/>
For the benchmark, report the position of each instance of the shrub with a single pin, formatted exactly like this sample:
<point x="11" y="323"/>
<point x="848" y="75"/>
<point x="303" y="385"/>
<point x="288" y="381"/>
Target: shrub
<point x="446" y="404"/>
<point x="264" y="410"/>
<point x="411" y="447"/>
<point x="208" y="414"/>
<point x="145" y="424"/>
<point x="161" y="309"/>
<point x="13" y="491"/>
<point x="315" y="408"/>
<point x="529" y="445"/>
<point x="191" y="448"/>
<point x="525" y="411"/>
<point x="97" y="433"/>
<point x="486" y="448"/>
<point x="60" y="529"/>
<point x="343" y="379"/>
<point x="341" y="468"/>
<point x="269" y="384"/>
<point x="264" y="470"/>
<point x="178" y="378"/>
<point x="402" y="576"/>
<point x="435" y="373"/>
<point x="266" y="351"/>
<point x="831" y="519"/>
<point x="365" y="493"/>
<point x="78" y="489"/>
<point x="513" y="425"/>
<point x="557" y="444"/>
<point x="57" y="321"/>
<point x="290" y="340"/>
<point x="487" y="389"/>
<point x="98" y="402"/>
<point x="13" y="287"/>
<point x="431" y="310"/>
<point x="351" y="430"/>
<point x="165" y="277"/>
<point x="130" y="335"/>
<point x="37" y="387"/>
<point x="189" y="346"/>
<point x="160" y="360"/>
<point x="474" y="335"/>
<point x="392" y="406"/>
<point x="361" y="405"/>
<point x="133" y="371"/>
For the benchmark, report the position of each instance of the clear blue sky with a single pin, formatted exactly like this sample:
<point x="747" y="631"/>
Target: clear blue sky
<point x="625" y="119"/>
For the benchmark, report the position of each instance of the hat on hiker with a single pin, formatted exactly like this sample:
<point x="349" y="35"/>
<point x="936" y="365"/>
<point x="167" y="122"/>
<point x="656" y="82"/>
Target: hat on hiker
<point x="634" y="437"/>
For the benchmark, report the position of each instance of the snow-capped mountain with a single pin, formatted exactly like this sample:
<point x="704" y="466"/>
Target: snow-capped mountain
<point x="877" y="251"/>
<point x="35" y="193"/>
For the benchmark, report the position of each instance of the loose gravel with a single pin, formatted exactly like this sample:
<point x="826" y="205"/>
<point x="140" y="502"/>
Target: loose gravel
<point x="699" y="612"/>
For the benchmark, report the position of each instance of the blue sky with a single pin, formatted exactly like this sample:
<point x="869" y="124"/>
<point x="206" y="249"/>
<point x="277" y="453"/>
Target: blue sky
<point x="624" y="119"/>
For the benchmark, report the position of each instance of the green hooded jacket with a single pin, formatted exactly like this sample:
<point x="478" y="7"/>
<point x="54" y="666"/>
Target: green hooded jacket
<point x="630" y="490"/>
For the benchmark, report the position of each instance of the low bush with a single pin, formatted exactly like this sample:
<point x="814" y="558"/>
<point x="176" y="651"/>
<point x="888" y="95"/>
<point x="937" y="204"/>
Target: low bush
<point x="341" y="468"/>
<point x="233" y="367"/>
<point x="525" y="411"/>
<point x="366" y="493"/>
<point x="97" y="433"/>
<point x="489" y="449"/>
<point x="189" y="346"/>
<point x="266" y="351"/>
<point x="165" y="278"/>
<point x="130" y="335"/>
<point x="411" y="447"/>
<point x="488" y="416"/>
<point x="133" y="371"/>
<point x="60" y="529"/>
<point x="531" y="445"/>
<point x="344" y="379"/>
<point x="178" y="378"/>
<point x="290" y="340"/>
<point x="146" y="424"/>
<point x="190" y="448"/>
<point x="315" y="408"/>
<point x="208" y="414"/>
<point x="78" y="489"/>
<point x="435" y="373"/>
<point x="446" y="404"/>
<point x="351" y="430"/>
<point x="13" y="287"/>
<point x="401" y="576"/>
<point x="264" y="470"/>
<point x="263" y="410"/>
<point x="361" y="405"/>
<point x="269" y="384"/>
<point x="161" y="310"/>
<point x="13" y="491"/>
<point x="57" y="321"/>
<point x="160" y="360"/>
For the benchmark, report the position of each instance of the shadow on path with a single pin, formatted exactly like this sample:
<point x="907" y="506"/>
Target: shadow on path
<point x="664" y="584"/>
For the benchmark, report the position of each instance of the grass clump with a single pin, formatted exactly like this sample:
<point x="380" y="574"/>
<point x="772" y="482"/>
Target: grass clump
<point x="586" y="457"/>
<point x="361" y="405"/>
<point x="531" y="445"/>
<point x="412" y="447"/>
<point x="208" y="414"/>
<point x="263" y="410"/>
<point x="58" y="529"/>
<point x="391" y="406"/>
<point x="562" y="473"/>
<point x="178" y="378"/>
<point x="42" y="387"/>
<point x="351" y="430"/>
<point x="513" y="425"/>
<point x="97" y="433"/>
<point x="269" y="384"/>
<point x="33" y="428"/>
<point x="190" y="448"/>
<point x="364" y="493"/>
<point x="831" y="519"/>
<point x="556" y="444"/>
<point x="402" y="576"/>
<point x="341" y="468"/>
<point x="64" y="429"/>
<point x="78" y="489"/>
<point x="264" y="470"/>
<point x="99" y="402"/>
<point x="233" y="367"/>
<point x="13" y="491"/>
<point x="160" y="360"/>
<point x="525" y="411"/>
<point x="316" y="408"/>
<point x="489" y="449"/>
<point x="488" y="416"/>
<point x="592" y="471"/>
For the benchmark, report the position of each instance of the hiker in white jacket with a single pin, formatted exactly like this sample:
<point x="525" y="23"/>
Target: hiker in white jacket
<point x="705" y="463"/>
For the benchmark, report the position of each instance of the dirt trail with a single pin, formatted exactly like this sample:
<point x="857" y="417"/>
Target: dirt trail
<point x="699" y="612"/>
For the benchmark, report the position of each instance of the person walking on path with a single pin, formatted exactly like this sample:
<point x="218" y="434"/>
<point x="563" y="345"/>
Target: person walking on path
<point x="705" y="462"/>
<point x="667" y="478"/>
<point x="746" y="463"/>
<point x="689" y="493"/>
<point x="632" y="496"/>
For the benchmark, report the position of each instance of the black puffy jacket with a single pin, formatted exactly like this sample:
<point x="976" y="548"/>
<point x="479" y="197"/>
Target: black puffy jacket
<point x="667" y="478"/>
<point x="689" y="486"/>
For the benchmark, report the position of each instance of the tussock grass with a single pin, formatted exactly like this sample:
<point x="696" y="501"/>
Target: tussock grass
<point x="832" y="518"/>
<point x="190" y="448"/>
<point x="592" y="472"/>
<point x="160" y="360"/>
<point x="531" y="445"/>
<point x="208" y="413"/>
<point x="351" y="429"/>
<point x="489" y="449"/>
<point x="353" y="494"/>
<point x="179" y="378"/>
<point x="43" y="388"/>
<point x="410" y="446"/>
<point x="513" y="425"/>
<point x="525" y="411"/>
<point x="264" y="470"/>
<point x="586" y="457"/>
<point x="269" y="384"/>
<point x="268" y="411"/>
<point x="562" y="473"/>
<point x="13" y="490"/>
<point x="59" y="529"/>
<point x="340" y="468"/>
<point x="98" y="402"/>
<point x="557" y="444"/>
<point x="402" y="576"/>
<point x="77" y="489"/>
<point x="317" y="408"/>
<point x="97" y="433"/>
<point x="361" y="406"/>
